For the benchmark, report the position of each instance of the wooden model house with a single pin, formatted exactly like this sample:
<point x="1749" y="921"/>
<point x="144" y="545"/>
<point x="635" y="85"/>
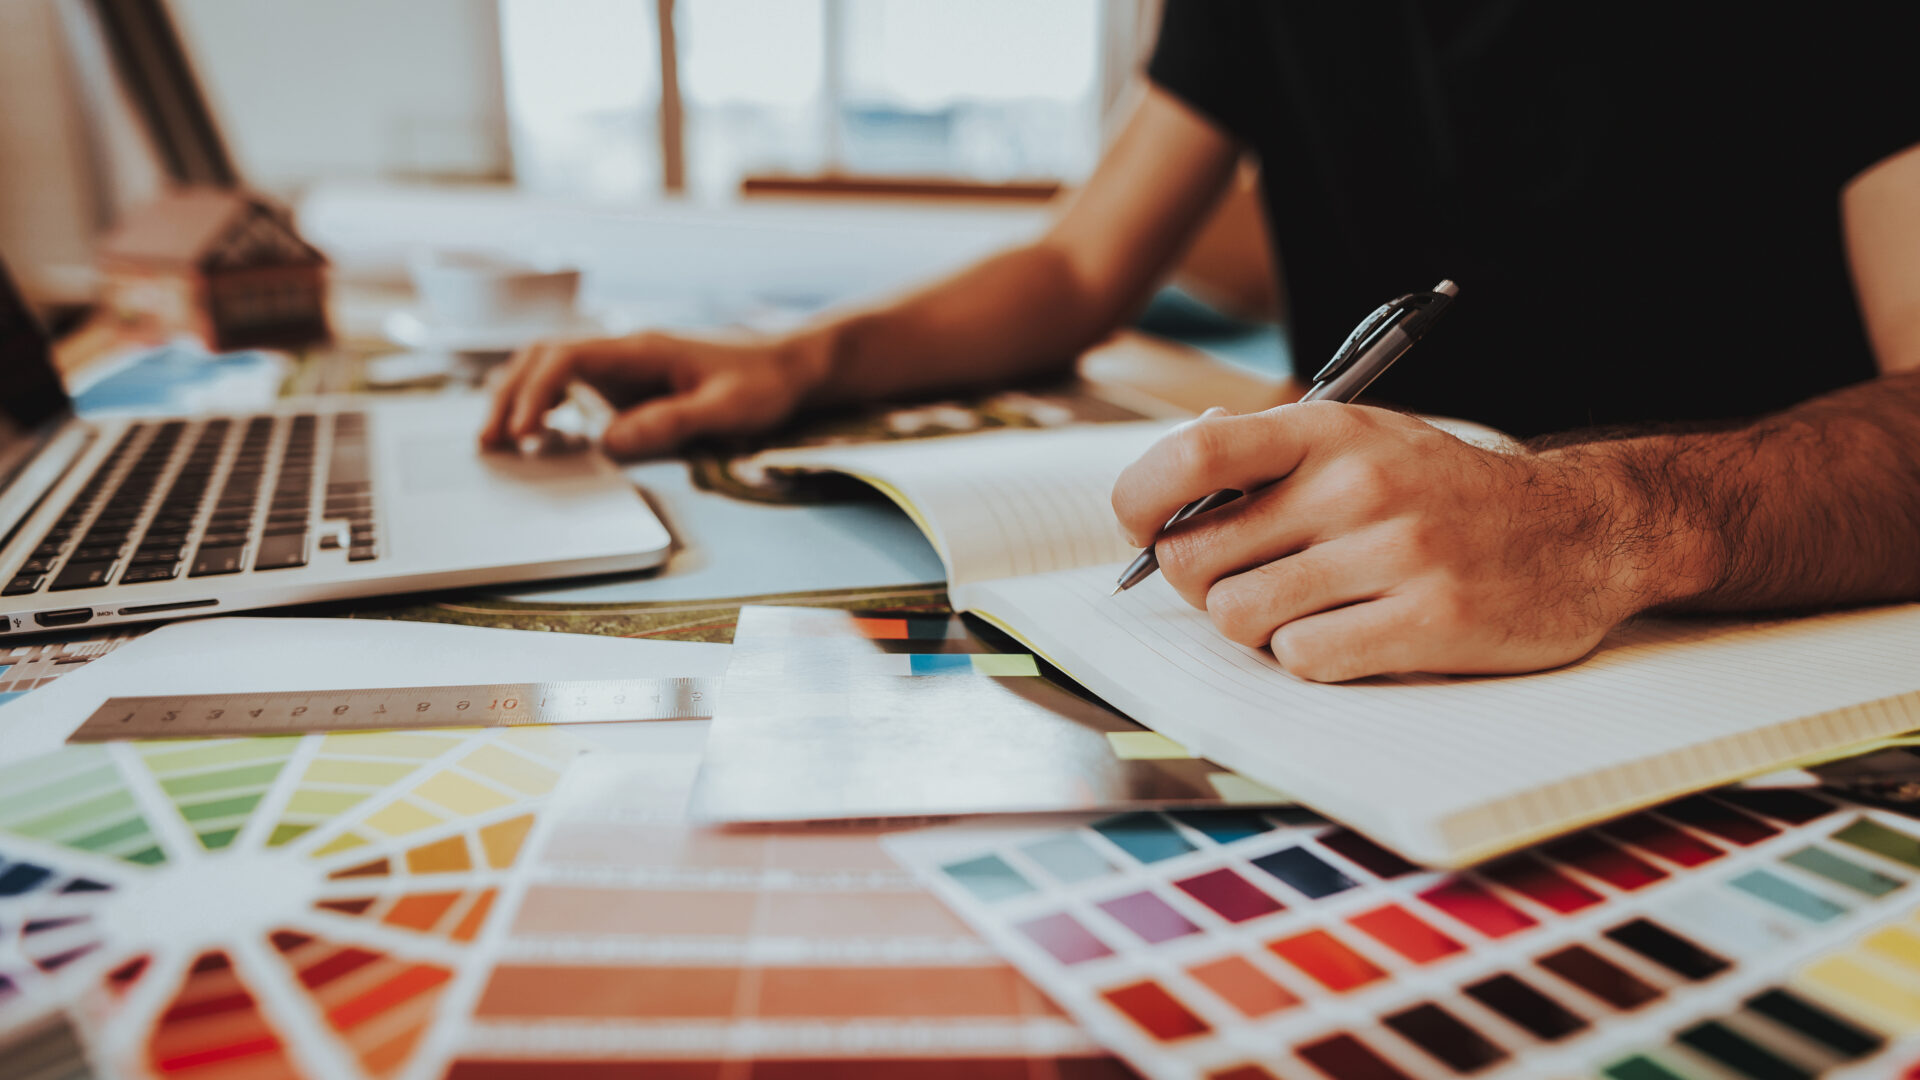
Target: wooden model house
<point x="224" y="265"/>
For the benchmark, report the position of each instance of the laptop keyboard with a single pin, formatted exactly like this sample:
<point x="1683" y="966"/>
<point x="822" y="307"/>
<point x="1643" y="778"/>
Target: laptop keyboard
<point x="116" y="531"/>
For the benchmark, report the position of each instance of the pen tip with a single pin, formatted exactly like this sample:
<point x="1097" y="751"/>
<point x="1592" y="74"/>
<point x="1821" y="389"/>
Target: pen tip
<point x="1116" y="590"/>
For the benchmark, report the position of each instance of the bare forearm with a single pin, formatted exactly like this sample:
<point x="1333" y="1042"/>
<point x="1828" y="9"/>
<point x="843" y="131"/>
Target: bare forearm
<point x="1816" y="505"/>
<point x="1019" y="315"/>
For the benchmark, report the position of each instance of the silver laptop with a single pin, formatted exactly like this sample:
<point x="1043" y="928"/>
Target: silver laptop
<point x="106" y="521"/>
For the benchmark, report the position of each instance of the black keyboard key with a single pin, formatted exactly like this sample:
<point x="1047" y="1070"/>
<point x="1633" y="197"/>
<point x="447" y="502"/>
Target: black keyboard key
<point x="329" y="541"/>
<point x="82" y="575"/>
<point x="359" y="553"/>
<point x="232" y="538"/>
<point x="284" y="528"/>
<point x="282" y="552"/>
<point x="97" y="553"/>
<point x="152" y="572"/>
<point x="35" y="566"/>
<point x="24" y="583"/>
<point x="49" y="550"/>
<point x="218" y="560"/>
<point x="153" y="553"/>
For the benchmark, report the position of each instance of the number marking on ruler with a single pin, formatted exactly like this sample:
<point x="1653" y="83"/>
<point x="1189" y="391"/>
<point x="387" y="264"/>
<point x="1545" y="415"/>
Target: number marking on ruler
<point x="301" y="711"/>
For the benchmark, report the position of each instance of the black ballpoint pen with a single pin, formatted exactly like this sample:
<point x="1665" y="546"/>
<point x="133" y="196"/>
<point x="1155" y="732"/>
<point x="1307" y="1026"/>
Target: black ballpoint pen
<point x="1379" y="340"/>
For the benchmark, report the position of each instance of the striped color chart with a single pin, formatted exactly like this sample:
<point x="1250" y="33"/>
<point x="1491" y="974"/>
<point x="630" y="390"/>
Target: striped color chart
<point x="1748" y="934"/>
<point x="638" y="945"/>
<point x="257" y="907"/>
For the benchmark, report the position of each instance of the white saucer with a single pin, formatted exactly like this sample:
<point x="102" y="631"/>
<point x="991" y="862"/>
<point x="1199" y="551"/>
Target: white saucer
<point x="416" y="330"/>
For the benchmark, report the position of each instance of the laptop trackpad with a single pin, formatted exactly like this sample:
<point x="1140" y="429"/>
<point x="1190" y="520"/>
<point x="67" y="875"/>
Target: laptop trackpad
<point x="446" y="466"/>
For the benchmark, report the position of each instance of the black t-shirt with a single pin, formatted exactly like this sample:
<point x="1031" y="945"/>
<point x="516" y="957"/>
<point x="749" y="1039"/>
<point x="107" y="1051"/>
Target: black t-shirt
<point x="1640" y="202"/>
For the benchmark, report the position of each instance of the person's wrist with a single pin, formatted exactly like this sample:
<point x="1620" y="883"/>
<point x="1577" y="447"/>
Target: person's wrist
<point x="1649" y="553"/>
<point x="808" y="360"/>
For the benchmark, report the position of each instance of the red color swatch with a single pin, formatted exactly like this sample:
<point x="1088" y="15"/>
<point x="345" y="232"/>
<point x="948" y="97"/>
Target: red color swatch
<point x="1231" y="896"/>
<point x="1243" y="986"/>
<point x="1398" y="929"/>
<point x="1613" y="865"/>
<point x="1157" y="1012"/>
<point x="1719" y="819"/>
<point x="1370" y="856"/>
<point x="1649" y="833"/>
<point x="1478" y="908"/>
<point x="1541" y="883"/>
<point x="213" y="1020"/>
<point x="1344" y="1057"/>
<point x="1326" y="960"/>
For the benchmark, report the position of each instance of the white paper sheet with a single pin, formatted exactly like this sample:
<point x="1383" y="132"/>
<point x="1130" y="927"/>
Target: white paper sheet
<point x="254" y="655"/>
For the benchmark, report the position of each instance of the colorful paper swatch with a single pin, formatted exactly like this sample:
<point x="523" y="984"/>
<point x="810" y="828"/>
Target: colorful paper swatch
<point x="257" y="907"/>
<point x="638" y="944"/>
<point x="1748" y="934"/>
<point x="831" y="714"/>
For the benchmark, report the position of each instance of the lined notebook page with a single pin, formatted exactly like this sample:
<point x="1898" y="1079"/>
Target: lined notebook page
<point x="1005" y="503"/>
<point x="1450" y="770"/>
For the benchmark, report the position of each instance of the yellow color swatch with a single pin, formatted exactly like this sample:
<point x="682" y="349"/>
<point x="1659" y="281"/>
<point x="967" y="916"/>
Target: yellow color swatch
<point x="358" y="773"/>
<point x="461" y="795"/>
<point x="1895" y="944"/>
<point x="502" y="840"/>
<point x="511" y="769"/>
<point x="324" y="803"/>
<point x="344" y="842"/>
<point x="440" y="857"/>
<point x="1145" y="746"/>
<point x="546" y="742"/>
<point x="387" y="744"/>
<point x="402" y="818"/>
<point x="1843" y="977"/>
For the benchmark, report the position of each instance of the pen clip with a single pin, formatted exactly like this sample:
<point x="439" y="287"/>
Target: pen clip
<point x="1371" y="327"/>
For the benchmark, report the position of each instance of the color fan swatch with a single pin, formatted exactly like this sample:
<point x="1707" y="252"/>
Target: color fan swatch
<point x="255" y="907"/>
<point x="636" y="944"/>
<point x="1752" y="934"/>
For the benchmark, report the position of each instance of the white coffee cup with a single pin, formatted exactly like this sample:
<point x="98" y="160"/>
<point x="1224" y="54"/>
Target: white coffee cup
<point x="476" y="289"/>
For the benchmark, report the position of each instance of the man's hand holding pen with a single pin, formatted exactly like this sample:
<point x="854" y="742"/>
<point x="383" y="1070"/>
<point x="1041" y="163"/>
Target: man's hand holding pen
<point x="1372" y="542"/>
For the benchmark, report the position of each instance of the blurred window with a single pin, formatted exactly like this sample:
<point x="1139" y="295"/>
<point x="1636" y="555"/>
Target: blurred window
<point x="582" y="80"/>
<point x="984" y="90"/>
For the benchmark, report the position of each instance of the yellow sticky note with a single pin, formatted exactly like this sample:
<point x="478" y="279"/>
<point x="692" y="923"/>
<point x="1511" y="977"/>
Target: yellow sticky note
<point x="1234" y="788"/>
<point x="1004" y="664"/>
<point x="1145" y="746"/>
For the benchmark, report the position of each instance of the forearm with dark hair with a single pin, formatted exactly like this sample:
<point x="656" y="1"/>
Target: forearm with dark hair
<point x="1813" y="506"/>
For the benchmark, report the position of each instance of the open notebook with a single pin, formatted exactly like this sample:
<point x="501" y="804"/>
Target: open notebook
<point x="1445" y="770"/>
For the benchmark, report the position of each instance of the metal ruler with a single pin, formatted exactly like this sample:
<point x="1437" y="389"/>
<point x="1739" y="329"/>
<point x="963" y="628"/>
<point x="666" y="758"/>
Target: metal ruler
<point x="301" y="711"/>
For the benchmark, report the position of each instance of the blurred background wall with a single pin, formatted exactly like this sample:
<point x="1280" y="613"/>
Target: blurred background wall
<point x="519" y="123"/>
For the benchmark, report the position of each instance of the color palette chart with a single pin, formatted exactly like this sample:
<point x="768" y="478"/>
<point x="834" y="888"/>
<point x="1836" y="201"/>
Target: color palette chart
<point x="255" y="907"/>
<point x="636" y="945"/>
<point x="1752" y="934"/>
<point x="835" y="714"/>
<point x="29" y="667"/>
